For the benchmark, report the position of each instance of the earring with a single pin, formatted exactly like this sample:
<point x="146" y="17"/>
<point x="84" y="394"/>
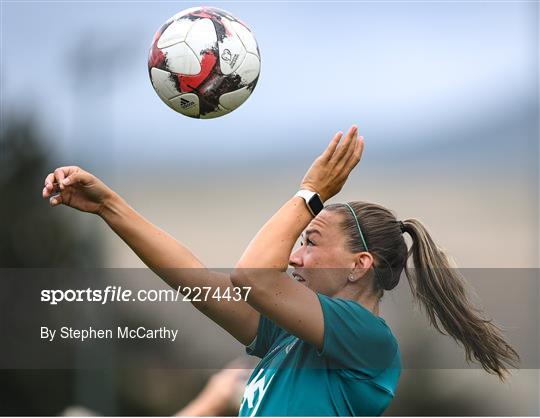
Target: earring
<point x="351" y="276"/>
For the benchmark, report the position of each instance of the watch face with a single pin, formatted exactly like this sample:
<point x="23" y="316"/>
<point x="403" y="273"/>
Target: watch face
<point x="316" y="204"/>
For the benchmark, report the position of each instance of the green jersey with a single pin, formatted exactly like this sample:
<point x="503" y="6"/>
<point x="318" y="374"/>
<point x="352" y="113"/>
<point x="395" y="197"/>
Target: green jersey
<point x="355" y="373"/>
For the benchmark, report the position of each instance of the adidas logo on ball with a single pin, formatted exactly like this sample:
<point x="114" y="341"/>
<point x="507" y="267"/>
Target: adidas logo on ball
<point x="185" y="103"/>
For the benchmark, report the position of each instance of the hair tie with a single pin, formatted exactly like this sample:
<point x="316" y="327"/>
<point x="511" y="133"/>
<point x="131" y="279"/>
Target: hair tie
<point x="402" y="227"/>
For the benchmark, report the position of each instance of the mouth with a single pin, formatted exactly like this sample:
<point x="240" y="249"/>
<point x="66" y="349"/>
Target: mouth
<point x="297" y="277"/>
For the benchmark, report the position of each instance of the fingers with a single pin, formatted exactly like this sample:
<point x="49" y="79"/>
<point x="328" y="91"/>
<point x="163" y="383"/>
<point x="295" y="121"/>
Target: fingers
<point x="352" y="154"/>
<point x="62" y="172"/>
<point x="356" y="156"/>
<point x="49" y="179"/>
<point x="329" y="151"/>
<point x="78" y="176"/>
<point x="46" y="192"/>
<point x="59" y="175"/>
<point x="62" y="176"/>
<point x="55" y="200"/>
<point x="347" y="146"/>
<point x="49" y="186"/>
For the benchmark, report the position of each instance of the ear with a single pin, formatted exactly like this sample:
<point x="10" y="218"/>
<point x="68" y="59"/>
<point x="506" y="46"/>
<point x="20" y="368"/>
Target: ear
<point x="362" y="264"/>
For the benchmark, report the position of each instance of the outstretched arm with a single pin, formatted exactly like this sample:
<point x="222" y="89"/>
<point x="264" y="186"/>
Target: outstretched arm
<point x="167" y="257"/>
<point x="263" y="265"/>
<point x="177" y="266"/>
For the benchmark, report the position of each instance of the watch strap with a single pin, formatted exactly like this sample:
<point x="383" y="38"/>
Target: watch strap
<point x="312" y="199"/>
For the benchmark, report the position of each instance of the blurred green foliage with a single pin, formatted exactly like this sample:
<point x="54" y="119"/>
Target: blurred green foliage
<point x="33" y="235"/>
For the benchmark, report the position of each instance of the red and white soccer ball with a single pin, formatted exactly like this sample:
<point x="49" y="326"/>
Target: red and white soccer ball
<point x="204" y="62"/>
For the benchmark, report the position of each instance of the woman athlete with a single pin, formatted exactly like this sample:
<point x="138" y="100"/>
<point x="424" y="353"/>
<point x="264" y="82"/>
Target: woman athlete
<point x="324" y="348"/>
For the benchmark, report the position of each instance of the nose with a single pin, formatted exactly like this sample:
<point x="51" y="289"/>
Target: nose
<point x="295" y="259"/>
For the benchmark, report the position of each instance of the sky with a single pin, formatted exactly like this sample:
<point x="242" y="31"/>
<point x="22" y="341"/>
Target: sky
<point x="407" y="73"/>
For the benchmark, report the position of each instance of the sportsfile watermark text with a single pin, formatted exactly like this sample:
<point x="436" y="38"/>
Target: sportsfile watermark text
<point x="119" y="294"/>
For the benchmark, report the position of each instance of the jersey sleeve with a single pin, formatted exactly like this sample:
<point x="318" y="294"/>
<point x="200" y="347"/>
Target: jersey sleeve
<point x="354" y="338"/>
<point x="267" y="333"/>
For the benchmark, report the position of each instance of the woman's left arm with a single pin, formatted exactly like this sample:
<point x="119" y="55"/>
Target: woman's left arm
<point x="264" y="263"/>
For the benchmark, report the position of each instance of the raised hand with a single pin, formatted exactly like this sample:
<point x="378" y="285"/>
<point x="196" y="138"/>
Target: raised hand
<point x="330" y="170"/>
<point x="74" y="187"/>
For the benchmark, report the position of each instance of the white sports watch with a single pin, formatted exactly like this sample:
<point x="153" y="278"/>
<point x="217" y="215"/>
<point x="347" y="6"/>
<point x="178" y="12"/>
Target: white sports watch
<point x="312" y="199"/>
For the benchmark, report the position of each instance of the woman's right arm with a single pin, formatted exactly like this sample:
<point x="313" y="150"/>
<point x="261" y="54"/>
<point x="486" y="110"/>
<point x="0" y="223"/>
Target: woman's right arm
<point x="167" y="257"/>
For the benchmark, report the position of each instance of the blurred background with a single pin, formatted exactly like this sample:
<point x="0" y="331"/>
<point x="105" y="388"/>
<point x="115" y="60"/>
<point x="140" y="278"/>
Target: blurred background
<point x="445" y="94"/>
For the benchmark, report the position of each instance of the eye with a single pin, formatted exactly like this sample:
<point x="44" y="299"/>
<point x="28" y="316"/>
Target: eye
<point x="307" y="242"/>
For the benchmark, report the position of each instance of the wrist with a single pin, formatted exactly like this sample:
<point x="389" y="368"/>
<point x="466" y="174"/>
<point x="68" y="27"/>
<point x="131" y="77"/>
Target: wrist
<point x="314" y="190"/>
<point x="110" y="206"/>
<point x="312" y="200"/>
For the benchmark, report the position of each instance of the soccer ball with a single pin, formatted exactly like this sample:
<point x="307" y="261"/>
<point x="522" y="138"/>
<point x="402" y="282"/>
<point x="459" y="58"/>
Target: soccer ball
<point x="204" y="62"/>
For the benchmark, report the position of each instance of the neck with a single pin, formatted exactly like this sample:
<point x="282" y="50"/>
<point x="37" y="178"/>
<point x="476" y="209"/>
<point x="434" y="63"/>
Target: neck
<point x="367" y="299"/>
<point x="370" y="302"/>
